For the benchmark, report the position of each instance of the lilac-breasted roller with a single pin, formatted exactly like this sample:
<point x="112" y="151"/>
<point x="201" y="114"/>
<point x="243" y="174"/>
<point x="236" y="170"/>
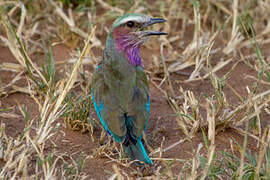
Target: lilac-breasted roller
<point x="120" y="86"/>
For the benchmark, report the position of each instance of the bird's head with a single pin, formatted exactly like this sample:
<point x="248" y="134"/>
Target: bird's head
<point x="129" y="32"/>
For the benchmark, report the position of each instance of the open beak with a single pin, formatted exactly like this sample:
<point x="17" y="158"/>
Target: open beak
<point x="151" y="22"/>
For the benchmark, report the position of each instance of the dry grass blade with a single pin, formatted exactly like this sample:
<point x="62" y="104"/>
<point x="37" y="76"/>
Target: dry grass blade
<point x="211" y="137"/>
<point x="73" y="75"/>
<point x="61" y="13"/>
<point x="236" y="36"/>
<point x="167" y="75"/>
<point x="258" y="97"/>
<point x="22" y="19"/>
<point x="201" y="58"/>
<point x="168" y="148"/>
<point x="10" y="115"/>
<point x="14" y="80"/>
<point x="69" y="20"/>
<point x="195" y="164"/>
<point x="107" y="6"/>
<point x="262" y="150"/>
<point x="11" y="67"/>
<point x="243" y="132"/>
<point x="20" y="52"/>
<point x="188" y="116"/>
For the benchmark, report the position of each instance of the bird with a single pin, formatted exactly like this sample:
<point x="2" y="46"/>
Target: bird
<point x="119" y="85"/>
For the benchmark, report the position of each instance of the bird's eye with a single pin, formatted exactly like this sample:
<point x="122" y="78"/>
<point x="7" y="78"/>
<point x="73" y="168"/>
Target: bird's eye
<point x="130" y="24"/>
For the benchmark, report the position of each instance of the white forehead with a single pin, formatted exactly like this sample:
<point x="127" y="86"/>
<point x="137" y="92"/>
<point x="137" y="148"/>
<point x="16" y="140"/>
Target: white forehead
<point x="140" y="18"/>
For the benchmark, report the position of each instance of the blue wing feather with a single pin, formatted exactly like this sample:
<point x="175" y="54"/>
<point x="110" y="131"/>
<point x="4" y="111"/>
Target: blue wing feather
<point x="145" y="155"/>
<point x="98" y="109"/>
<point x="147" y="106"/>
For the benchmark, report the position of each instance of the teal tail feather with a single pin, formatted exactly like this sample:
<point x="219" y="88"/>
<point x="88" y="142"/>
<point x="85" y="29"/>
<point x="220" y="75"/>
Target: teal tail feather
<point x="137" y="151"/>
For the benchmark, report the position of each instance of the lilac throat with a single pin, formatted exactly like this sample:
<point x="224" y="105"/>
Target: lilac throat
<point x="131" y="50"/>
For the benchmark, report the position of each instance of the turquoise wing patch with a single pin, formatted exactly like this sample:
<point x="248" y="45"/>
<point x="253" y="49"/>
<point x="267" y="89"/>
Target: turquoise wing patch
<point x="98" y="109"/>
<point x="147" y="106"/>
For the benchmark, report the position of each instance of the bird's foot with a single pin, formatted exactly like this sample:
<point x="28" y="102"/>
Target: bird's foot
<point x="145" y="170"/>
<point x="103" y="140"/>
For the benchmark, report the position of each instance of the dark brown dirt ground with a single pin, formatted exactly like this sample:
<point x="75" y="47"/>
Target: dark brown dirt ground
<point x="162" y="121"/>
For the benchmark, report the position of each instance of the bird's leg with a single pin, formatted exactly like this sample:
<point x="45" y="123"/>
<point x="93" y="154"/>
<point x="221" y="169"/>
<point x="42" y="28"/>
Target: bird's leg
<point x="145" y="170"/>
<point x="102" y="139"/>
<point x="146" y="142"/>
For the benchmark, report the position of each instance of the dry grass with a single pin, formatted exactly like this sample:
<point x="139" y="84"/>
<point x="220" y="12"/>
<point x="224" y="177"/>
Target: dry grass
<point x="223" y="29"/>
